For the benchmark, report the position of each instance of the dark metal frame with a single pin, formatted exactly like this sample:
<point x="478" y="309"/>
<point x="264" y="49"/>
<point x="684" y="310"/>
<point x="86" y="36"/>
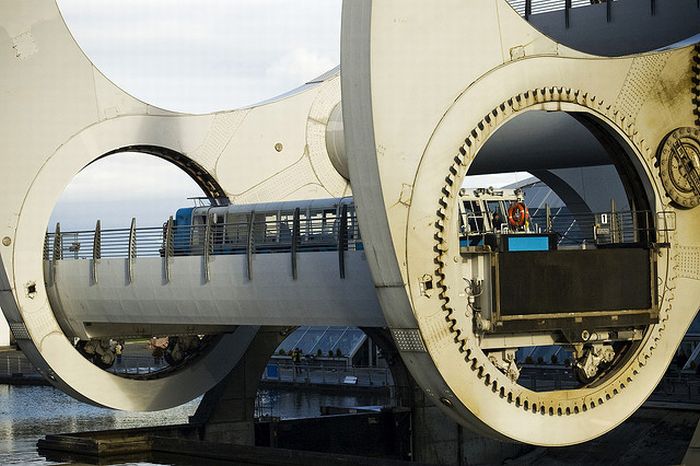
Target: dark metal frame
<point x="571" y="323"/>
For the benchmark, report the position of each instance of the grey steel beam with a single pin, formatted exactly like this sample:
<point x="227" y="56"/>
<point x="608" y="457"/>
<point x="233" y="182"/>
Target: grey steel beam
<point x="621" y="27"/>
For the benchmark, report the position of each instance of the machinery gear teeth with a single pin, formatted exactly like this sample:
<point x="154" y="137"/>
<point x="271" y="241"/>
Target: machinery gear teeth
<point x="580" y="98"/>
<point x="696" y="83"/>
<point x="491" y="378"/>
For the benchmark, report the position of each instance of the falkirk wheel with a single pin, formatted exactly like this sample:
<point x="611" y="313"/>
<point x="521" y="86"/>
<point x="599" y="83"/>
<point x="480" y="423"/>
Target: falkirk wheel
<point x="427" y="87"/>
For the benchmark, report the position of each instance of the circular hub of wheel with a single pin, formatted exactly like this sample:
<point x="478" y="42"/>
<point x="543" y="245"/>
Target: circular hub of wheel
<point x="679" y="164"/>
<point x="484" y="385"/>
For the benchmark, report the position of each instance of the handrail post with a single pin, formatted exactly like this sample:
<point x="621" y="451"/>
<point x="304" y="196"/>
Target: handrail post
<point x="47" y="254"/>
<point x="296" y="226"/>
<point x="567" y="13"/>
<point x="55" y="254"/>
<point x="97" y="242"/>
<point x="96" y="251"/>
<point x="608" y="8"/>
<point x="168" y="249"/>
<point x="58" y="244"/>
<point x="528" y="9"/>
<point x="342" y="238"/>
<point x="57" y="251"/>
<point x="613" y="222"/>
<point x="47" y="260"/>
<point x="250" y="245"/>
<point x="131" y="255"/>
<point x="206" y="249"/>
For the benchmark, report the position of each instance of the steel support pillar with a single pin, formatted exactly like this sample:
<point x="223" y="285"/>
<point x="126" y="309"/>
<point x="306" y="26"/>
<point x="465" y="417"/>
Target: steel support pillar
<point x="227" y="411"/>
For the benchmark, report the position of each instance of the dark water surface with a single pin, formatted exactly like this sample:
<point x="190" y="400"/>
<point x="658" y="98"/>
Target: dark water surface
<point x="29" y="413"/>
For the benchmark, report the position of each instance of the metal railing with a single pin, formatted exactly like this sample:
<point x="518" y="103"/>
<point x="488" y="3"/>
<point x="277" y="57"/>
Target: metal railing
<point x="171" y="240"/>
<point x="545" y="6"/>
<point x="318" y="375"/>
<point x="594" y="229"/>
<point x="332" y="234"/>
<point x="526" y="8"/>
<point x="603" y="228"/>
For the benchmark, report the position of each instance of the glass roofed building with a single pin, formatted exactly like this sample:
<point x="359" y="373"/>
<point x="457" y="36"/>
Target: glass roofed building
<point x="345" y="345"/>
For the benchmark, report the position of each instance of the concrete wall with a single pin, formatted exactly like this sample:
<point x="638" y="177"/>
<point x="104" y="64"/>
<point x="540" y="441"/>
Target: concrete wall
<point x="438" y="440"/>
<point x="4" y="332"/>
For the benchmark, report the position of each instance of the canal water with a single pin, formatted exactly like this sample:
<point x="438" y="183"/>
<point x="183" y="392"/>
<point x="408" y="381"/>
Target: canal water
<point x="28" y="413"/>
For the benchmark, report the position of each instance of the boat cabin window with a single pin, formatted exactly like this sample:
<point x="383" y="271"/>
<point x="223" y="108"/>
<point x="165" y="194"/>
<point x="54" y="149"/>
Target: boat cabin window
<point x="475" y="218"/>
<point x="498" y="213"/>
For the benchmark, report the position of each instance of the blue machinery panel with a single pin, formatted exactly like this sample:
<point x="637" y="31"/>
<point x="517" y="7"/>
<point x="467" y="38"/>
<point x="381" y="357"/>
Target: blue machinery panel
<point x="528" y="243"/>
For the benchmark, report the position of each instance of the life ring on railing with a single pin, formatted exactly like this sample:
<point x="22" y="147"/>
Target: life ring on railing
<point x="518" y="215"/>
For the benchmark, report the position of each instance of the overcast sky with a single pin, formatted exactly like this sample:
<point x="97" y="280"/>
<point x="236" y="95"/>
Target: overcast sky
<point x="193" y="56"/>
<point x="206" y="55"/>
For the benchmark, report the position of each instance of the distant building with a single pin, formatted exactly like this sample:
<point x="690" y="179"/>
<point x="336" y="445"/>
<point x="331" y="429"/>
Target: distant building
<point x="328" y="346"/>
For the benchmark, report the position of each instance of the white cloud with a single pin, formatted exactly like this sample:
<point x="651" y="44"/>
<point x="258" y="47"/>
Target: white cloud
<point x="300" y="65"/>
<point x="122" y="186"/>
<point x="136" y="176"/>
<point x="148" y="48"/>
<point x="195" y="56"/>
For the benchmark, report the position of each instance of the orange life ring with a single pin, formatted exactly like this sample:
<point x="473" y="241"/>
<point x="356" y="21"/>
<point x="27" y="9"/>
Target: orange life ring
<point x="518" y="214"/>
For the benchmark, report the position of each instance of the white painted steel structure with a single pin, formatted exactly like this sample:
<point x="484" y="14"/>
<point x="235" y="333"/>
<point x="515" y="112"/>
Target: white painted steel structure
<point x="4" y="332"/>
<point x="416" y="116"/>
<point x="425" y="86"/>
<point x="318" y="297"/>
<point x="77" y="116"/>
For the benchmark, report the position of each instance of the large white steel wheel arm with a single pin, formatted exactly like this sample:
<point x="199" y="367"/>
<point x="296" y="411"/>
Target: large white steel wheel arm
<point x="58" y="114"/>
<point x="425" y="85"/>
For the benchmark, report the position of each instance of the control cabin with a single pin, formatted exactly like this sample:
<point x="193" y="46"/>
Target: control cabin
<point x="499" y="220"/>
<point x="523" y="282"/>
